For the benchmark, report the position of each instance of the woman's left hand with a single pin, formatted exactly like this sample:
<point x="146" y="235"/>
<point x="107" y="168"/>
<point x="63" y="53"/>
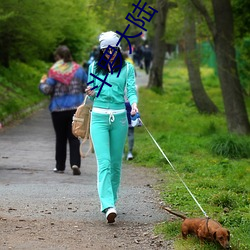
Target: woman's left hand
<point x="89" y="92"/>
<point x="134" y="109"/>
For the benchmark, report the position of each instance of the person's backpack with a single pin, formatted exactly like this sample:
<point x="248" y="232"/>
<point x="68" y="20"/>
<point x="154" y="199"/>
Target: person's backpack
<point x="81" y="126"/>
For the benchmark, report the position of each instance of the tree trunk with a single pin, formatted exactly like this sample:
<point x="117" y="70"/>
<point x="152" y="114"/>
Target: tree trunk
<point x="159" y="46"/>
<point x="235" y="109"/>
<point x="201" y="99"/>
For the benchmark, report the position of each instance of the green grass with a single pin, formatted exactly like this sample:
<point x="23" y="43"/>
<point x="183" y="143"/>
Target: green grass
<point x="214" y="164"/>
<point x="19" y="88"/>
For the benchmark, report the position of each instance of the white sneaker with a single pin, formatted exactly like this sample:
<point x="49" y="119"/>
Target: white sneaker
<point x="58" y="171"/>
<point x="111" y="214"/>
<point x="76" y="170"/>
<point x="130" y="156"/>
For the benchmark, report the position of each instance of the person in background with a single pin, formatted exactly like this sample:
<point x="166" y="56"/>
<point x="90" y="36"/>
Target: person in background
<point x="93" y="55"/>
<point x="109" y="125"/>
<point x="65" y="83"/>
<point x="128" y="109"/>
<point x="130" y="133"/>
<point x="139" y="56"/>
<point x="147" y="54"/>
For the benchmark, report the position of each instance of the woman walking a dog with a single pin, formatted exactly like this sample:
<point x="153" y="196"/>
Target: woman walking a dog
<point x="109" y="123"/>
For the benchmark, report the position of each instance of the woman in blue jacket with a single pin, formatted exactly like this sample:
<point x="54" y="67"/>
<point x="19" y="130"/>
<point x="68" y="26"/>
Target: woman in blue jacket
<point x="65" y="84"/>
<point x="109" y="125"/>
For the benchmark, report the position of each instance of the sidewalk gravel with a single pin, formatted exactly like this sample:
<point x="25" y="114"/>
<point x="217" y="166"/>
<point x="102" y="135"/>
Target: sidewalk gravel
<point x="40" y="209"/>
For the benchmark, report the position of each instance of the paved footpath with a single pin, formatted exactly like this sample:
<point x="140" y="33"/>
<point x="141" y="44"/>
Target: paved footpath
<point x="30" y="192"/>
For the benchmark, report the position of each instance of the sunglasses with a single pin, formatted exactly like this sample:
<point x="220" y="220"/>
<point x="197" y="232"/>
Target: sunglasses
<point x="110" y="50"/>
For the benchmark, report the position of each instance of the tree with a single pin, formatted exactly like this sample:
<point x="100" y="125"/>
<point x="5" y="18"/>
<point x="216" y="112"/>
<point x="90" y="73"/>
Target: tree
<point x="24" y="32"/>
<point x="241" y="17"/>
<point x="111" y="15"/>
<point x="28" y="33"/>
<point x="201" y="99"/>
<point x="159" y="44"/>
<point x="223" y="38"/>
<point x="242" y="33"/>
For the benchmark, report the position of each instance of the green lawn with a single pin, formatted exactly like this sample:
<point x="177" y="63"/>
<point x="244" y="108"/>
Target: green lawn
<point x="19" y="88"/>
<point x="214" y="164"/>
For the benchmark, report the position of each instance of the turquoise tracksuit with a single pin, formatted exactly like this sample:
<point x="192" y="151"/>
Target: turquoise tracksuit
<point x="108" y="129"/>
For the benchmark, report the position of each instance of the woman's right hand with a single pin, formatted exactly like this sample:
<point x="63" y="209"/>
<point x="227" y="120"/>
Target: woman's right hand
<point x="89" y="92"/>
<point x="134" y="109"/>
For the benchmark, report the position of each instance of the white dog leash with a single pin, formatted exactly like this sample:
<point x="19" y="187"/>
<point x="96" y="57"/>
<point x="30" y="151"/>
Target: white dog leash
<point x="174" y="170"/>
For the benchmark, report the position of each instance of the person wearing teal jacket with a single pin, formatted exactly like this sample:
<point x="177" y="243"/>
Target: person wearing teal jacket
<point x="107" y="83"/>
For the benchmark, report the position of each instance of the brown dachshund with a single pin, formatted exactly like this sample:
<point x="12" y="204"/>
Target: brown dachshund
<point x="204" y="229"/>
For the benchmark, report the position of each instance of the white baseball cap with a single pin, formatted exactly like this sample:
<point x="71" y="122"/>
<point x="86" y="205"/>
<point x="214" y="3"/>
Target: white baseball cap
<point x="109" y="38"/>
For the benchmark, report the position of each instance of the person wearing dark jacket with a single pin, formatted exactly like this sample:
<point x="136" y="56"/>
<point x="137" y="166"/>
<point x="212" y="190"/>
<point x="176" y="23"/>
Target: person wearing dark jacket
<point x="147" y="54"/>
<point x="65" y="83"/>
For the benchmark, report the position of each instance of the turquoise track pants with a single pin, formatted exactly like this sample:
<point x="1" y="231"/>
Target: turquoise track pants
<point x="108" y="136"/>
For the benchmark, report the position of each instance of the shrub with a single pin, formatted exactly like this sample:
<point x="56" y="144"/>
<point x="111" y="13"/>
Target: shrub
<point x="231" y="146"/>
<point x="223" y="200"/>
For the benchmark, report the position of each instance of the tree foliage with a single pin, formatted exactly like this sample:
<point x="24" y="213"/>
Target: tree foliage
<point x="221" y="26"/>
<point x="242" y="34"/>
<point x="28" y="32"/>
<point x="241" y="18"/>
<point x="174" y="25"/>
<point x="192" y="58"/>
<point x="111" y="15"/>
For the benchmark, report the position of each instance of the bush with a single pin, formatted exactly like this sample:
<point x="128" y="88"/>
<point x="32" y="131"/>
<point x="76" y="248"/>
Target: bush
<point x="224" y="200"/>
<point x="19" y="88"/>
<point x="231" y="146"/>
